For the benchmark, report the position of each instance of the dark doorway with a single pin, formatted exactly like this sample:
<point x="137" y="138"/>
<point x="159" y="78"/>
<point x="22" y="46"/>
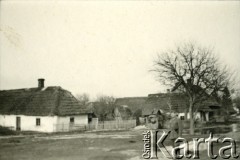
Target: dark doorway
<point x="18" y="123"/>
<point x="211" y="116"/>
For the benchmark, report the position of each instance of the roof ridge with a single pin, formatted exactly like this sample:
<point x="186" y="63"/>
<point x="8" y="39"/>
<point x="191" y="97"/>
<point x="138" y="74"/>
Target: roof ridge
<point x="18" y="89"/>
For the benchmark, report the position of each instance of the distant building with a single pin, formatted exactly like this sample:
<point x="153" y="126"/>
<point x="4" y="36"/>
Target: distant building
<point x="152" y="107"/>
<point x="43" y="109"/>
<point x="113" y="112"/>
<point x="135" y="104"/>
<point x="168" y="102"/>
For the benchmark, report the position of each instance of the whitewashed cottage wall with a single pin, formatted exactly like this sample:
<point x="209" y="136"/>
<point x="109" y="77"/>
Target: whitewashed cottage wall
<point x="28" y="123"/>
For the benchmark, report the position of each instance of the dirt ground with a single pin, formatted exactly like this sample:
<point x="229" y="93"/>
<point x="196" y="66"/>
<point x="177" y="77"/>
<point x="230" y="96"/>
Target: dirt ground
<point x="114" y="145"/>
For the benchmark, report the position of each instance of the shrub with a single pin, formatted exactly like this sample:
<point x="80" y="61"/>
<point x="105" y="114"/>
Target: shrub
<point x="6" y="131"/>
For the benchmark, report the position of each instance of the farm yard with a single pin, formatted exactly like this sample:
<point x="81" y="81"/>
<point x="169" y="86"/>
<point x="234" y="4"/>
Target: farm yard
<point x="93" y="80"/>
<point x="85" y="146"/>
<point x="107" y="145"/>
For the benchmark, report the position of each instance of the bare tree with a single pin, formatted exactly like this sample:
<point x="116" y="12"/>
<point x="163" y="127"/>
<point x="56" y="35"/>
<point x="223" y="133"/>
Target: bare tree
<point x="105" y="106"/>
<point x="109" y="100"/>
<point x="195" y="70"/>
<point x="83" y="98"/>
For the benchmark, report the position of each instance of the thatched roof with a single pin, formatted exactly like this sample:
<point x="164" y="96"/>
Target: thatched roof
<point x="173" y="101"/>
<point x="39" y="102"/>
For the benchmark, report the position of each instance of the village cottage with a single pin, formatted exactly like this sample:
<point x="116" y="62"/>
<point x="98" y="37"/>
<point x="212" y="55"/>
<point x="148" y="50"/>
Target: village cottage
<point x="43" y="109"/>
<point x="153" y="107"/>
<point x="165" y="103"/>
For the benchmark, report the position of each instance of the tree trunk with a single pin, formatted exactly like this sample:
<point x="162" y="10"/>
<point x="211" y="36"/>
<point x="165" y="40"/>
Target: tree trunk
<point x="191" y="118"/>
<point x="186" y="114"/>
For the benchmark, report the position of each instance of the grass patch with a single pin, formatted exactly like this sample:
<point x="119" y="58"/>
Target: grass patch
<point x="4" y="131"/>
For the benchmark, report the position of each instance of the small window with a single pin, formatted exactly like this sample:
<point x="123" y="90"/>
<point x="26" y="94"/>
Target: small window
<point x="71" y="119"/>
<point x="38" y="122"/>
<point x="182" y="117"/>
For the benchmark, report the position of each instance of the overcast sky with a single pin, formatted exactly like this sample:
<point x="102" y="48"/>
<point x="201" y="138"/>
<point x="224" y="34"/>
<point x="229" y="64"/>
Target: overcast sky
<point x="107" y="47"/>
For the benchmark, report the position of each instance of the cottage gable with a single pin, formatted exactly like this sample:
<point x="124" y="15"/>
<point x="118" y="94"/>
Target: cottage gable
<point x="133" y="103"/>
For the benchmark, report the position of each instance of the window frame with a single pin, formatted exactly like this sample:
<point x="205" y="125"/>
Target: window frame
<point x="38" y="121"/>
<point x="72" y="120"/>
<point x="182" y="118"/>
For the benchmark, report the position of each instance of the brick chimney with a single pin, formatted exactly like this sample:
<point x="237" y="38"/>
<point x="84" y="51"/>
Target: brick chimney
<point x="40" y="83"/>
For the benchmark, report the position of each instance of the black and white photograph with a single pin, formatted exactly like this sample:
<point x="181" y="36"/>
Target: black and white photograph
<point x="119" y="80"/>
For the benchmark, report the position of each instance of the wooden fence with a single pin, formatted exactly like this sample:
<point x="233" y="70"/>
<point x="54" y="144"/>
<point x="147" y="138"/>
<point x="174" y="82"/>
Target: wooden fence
<point x="111" y="125"/>
<point x="100" y="125"/>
